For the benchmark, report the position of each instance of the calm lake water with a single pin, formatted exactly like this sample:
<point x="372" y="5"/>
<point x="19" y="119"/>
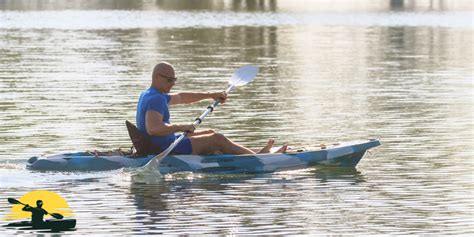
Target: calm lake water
<point x="399" y="71"/>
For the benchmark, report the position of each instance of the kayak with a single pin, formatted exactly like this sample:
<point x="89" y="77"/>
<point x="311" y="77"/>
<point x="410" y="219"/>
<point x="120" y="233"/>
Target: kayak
<point x="55" y="225"/>
<point x="346" y="154"/>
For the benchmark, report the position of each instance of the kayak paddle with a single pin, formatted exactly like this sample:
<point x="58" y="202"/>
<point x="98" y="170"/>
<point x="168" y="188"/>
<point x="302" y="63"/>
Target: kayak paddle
<point x="241" y="77"/>
<point x="14" y="201"/>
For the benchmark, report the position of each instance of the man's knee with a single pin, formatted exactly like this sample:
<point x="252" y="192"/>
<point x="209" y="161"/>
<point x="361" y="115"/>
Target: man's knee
<point x="208" y="144"/>
<point x="218" y="137"/>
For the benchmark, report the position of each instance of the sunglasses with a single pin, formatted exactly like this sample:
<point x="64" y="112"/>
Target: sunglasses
<point x="170" y="79"/>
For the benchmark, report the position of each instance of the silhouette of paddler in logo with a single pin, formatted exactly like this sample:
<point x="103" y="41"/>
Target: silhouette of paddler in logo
<point x="37" y="213"/>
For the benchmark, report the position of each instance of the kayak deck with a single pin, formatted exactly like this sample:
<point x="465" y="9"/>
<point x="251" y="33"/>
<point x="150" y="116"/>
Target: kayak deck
<point x="346" y="154"/>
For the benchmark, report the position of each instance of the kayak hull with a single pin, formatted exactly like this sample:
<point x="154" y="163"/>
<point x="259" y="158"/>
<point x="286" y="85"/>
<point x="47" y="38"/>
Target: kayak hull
<point x="55" y="225"/>
<point x="346" y="154"/>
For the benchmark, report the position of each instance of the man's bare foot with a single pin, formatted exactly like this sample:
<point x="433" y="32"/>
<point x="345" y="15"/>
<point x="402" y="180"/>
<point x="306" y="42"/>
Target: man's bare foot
<point x="282" y="149"/>
<point x="266" y="148"/>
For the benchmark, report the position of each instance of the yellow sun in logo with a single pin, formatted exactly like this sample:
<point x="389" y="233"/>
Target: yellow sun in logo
<point x="52" y="203"/>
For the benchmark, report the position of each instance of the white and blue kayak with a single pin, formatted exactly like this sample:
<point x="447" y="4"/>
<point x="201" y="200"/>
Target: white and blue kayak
<point x="346" y="154"/>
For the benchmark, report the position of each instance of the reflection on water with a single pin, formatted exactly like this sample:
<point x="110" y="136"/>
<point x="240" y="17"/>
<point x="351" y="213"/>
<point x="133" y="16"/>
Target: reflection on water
<point x="100" y="19"/>
<point x="393" y="74"/>
<point x="241" y="5"/>
<point x="329" y="174"/>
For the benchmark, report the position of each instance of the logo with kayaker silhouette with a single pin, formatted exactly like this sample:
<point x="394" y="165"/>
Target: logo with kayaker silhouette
<point x="45" y="210"/>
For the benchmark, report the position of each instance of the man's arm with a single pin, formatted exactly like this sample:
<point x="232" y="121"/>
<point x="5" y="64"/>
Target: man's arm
<point x="26" y="208"/>
<point x="191" y="97"/>
<point x="156" y="127"/>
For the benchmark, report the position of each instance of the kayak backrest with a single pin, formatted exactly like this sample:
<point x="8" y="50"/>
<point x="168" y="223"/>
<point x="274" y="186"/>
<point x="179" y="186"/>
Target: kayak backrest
<point x="141" y="141"/>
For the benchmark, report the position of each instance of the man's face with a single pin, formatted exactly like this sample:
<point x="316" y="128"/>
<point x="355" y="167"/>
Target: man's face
<point x="39" y="203"/>
<point x="167" y="82"/>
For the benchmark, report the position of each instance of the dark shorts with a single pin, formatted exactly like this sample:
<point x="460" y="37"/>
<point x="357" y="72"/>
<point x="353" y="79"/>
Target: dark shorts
<point x="183" y="148"/>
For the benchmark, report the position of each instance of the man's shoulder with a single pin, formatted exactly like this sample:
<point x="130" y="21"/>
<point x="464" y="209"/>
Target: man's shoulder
<point x="159" y="98"/>
<point x="154" y="95"/>
<point x="155" y="101"/>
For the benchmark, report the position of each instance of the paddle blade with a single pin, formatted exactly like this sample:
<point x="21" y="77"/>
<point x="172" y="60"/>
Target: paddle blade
<point x="154" y="164"/>
<point x="243" y="75"/>
<point x="150" y="172"/>
<point x="14" y="201"/>
<point x="56" y="215"/>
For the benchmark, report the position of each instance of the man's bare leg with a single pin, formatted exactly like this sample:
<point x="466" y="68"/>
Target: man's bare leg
<point x="215" y="142"/>
<point x="282" y="149"/>
<point x="199" y="133"/>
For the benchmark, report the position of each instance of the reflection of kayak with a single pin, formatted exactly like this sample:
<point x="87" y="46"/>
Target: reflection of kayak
<point x="343" y="155"/>
<point x="56" y="225"/>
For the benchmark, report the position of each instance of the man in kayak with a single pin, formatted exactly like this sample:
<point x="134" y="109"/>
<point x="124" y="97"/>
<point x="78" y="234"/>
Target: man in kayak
<point x="37" y="213"/>
<point x="153" y="118"/>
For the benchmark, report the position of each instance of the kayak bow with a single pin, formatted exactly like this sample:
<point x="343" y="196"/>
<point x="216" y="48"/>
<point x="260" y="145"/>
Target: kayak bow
<point x="342" y="155"/>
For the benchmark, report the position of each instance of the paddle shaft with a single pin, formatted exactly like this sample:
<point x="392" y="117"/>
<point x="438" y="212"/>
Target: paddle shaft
<point x="196" y="122"/>
<point x="209" y="109"/>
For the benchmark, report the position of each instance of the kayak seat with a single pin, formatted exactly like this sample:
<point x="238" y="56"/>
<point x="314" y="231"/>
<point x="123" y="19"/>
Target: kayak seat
<point x="141" y="141"/>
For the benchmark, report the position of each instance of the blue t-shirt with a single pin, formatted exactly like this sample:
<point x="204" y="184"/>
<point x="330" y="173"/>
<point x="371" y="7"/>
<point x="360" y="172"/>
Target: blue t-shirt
<point x="152" y="99"/>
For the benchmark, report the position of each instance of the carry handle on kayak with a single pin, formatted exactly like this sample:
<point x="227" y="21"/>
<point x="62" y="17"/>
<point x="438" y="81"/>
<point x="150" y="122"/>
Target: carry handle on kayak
<point x="241" y="77"/>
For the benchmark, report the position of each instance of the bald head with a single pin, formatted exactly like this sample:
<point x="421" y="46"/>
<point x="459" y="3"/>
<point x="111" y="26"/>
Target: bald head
<point x="164" y="69"/>
<point x="163" y="77"/>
